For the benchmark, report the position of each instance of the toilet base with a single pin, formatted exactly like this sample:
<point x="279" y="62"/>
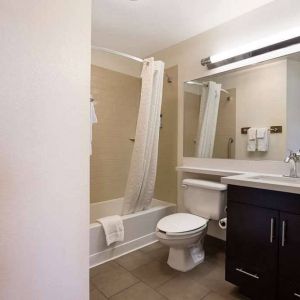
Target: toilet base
<point x="185" y="259"/>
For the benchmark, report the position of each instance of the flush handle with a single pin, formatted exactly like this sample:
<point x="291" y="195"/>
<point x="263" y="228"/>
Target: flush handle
<point x="184" y="186"/>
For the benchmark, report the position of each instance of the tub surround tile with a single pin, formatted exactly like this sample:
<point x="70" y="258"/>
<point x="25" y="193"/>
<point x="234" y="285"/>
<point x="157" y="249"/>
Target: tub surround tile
<point x="137" y="292"/>
<point x="112" y="278"/>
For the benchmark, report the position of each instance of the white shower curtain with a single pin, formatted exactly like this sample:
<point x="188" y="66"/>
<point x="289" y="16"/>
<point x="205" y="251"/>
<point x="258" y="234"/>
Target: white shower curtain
<point x="142" y="173"/>
<point x="207" y="123"/>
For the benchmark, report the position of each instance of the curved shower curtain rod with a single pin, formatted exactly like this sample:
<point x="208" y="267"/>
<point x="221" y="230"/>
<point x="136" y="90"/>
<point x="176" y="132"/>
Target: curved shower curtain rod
<point x="118" y="53"/>
<point x="140" y="60"/>
<point x="204" y="83"/>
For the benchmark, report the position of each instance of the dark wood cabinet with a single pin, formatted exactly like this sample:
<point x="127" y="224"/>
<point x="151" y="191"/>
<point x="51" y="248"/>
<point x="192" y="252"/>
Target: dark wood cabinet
<point x="263" y="243"/>
<point x="289" y="248"/>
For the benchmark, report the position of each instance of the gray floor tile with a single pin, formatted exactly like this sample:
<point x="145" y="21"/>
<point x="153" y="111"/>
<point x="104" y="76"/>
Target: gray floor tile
<point x="214" y="279"/>
<point x="155" y="273"/>
<point x="152" y="247"/>
<point x="112" y="279"/>
<point x="181" y="287"/>
<point x="137" y="292"/>
<point x="96" y="295"/>
<point x="161" y="253"/>
<point x="214" y="296"/>
<point x="134" y="260"/>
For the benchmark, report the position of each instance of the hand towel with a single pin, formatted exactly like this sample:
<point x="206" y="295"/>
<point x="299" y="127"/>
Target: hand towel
<point x="93" y="120"/>
<point x="113" y="229"/>
<point x="263" y="136"/>
<point x="251" y="146"/>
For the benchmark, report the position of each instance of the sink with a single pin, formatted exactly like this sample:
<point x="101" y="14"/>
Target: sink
<point x="279" y="179"/>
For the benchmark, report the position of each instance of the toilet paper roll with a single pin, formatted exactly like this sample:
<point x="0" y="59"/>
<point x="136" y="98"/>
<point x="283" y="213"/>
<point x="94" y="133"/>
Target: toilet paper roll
<point x="223" y="223"/>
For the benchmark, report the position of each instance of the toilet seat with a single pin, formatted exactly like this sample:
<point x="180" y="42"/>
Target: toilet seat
<point x="181" y="224"/>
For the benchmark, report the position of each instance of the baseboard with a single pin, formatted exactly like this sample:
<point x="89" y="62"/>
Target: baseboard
<point x="120" y="250"/>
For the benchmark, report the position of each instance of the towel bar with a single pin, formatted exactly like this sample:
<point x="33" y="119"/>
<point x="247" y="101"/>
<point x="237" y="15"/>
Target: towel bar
<point x="273" y="129"/>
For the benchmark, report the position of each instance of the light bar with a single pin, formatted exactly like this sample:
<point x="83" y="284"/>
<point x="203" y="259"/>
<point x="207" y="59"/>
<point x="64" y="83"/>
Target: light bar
<point x="272" y="43"/>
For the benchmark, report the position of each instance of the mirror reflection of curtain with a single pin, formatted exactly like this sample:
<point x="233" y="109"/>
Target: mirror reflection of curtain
<point x="208" y="116"/>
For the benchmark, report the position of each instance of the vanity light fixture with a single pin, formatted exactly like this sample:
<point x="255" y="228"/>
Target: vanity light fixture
<point x="275" y="42"/>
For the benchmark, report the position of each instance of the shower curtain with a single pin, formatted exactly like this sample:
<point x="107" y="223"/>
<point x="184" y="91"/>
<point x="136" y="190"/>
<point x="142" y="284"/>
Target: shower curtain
<point x="207" y="123"/>
<point x="142" y="173"/>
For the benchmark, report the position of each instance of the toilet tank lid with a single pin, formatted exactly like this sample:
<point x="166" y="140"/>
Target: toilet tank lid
<point x="209" y="185"/>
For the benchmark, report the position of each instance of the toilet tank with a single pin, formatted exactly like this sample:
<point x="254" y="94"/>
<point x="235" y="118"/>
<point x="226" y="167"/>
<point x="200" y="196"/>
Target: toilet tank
<point x="205" y="199"/>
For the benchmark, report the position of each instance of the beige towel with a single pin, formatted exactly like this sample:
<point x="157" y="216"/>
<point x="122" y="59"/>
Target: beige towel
<point x="113" y="229"/>
<point x="263" y="136"/>
<point x="251" y="146"/>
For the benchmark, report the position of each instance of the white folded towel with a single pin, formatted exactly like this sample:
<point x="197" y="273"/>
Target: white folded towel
<point x="251" y="146"/>
<point x="93" y="120"/>
<point x="263" y="136"/>
<point x="113" y="229"/>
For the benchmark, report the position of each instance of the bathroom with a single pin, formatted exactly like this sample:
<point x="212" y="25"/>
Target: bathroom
<point x="150" y="149"/>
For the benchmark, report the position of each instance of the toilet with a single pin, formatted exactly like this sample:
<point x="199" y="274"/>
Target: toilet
<point x="184" y="232"/>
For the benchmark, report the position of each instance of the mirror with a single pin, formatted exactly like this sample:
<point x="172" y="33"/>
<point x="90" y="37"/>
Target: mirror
<point x="220" y="109"/>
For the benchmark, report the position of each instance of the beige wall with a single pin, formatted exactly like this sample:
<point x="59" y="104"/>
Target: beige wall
<point x="270" y="19"/>
<point x="116" y="103"/>
<point x="44" y="149"/>
<point x="166" y="181"/>
<point x="293" y="104"/>
<point x="226" y="123"/>
<point x="260" y="102"/>
<point x="117" y="98"/>
<point x="191" y="120"/>
<point x="226" y="126"/>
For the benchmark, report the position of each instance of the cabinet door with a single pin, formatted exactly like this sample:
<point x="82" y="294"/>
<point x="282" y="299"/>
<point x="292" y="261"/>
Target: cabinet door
<point x="288" y="289"/>
<point x="252" y="249"/>
<point x="289" y="246"/>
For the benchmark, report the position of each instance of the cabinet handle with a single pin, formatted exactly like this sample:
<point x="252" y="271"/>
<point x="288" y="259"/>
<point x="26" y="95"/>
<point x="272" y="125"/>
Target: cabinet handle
<point x="296" y="295"/>
<point x="272" y="230"/>
<point x="247" y="273"/>
<point x="283" y="234"/>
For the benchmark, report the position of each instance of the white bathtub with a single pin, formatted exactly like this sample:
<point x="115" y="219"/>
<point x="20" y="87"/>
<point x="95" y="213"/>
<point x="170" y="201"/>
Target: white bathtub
<point x="139" y="228"/>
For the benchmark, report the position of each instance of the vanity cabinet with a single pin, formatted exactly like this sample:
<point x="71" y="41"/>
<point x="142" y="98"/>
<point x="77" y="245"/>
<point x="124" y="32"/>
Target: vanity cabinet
<point x="263" y="243"/>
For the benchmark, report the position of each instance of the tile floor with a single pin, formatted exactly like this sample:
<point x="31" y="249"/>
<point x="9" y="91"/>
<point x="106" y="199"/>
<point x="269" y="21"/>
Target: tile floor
<point x="144" y="274"/>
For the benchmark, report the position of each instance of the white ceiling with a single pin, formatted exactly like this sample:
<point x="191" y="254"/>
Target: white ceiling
<point x="143" y="27"/>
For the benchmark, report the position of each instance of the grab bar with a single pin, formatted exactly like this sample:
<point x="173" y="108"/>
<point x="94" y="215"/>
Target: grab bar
<point x="230" y="141"/>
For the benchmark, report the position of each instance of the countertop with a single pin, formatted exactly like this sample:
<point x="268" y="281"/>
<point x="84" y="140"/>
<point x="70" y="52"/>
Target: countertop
<point x="247" y="179"/>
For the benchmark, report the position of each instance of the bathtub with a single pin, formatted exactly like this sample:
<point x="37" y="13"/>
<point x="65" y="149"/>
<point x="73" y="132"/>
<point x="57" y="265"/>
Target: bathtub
<point x="139" y="228"/>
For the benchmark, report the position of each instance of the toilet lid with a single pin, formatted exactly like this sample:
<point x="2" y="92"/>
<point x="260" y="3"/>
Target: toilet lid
<point x="180" y="222"/>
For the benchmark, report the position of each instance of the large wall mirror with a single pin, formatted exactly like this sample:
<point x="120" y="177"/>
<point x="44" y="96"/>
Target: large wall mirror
<point x="251" y="113"/>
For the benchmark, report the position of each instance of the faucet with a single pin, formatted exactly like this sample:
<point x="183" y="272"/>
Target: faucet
<point x="292" y="159"/>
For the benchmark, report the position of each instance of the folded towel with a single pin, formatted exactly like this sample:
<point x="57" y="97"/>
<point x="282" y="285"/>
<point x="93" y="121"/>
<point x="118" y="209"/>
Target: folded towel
<point x="251" y="146"/>
<point x="93" y="120"/>
<point x="113" y="229"/>
<point x="263" y="137"/>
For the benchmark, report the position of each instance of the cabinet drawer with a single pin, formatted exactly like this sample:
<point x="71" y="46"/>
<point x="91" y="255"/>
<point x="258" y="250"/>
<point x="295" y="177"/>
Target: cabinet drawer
<point x="254" y="283"/>
<point x="289" y="290"/>
<point x="265" y="198"/>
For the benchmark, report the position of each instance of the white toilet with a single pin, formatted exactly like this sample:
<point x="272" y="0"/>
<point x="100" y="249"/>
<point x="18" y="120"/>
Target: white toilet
<point x="184" y="232"/>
